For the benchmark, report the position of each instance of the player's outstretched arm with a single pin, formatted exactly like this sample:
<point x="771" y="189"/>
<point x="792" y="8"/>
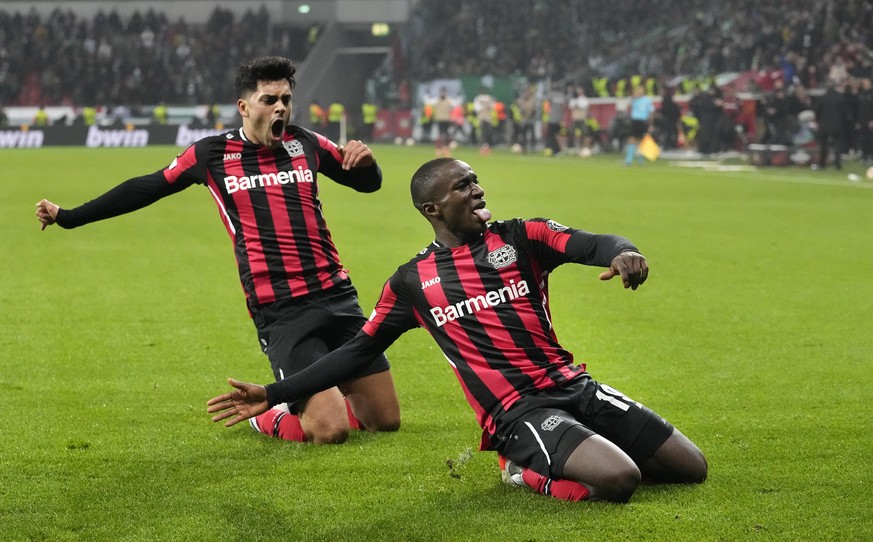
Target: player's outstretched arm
<point x="46" y="212"/>
<point x="632" y="268"/>
<point x="244" y="402"/>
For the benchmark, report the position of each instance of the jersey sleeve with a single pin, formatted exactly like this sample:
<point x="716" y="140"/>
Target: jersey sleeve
<point x="341" y="365"/>
<point x="131" y="195"/>
<point x="385" y="325"/>
<point x="555" y="244"/>
<point x="189" y="166"/>
<point x="135" y="193"/>
<point x="393" y="314"/>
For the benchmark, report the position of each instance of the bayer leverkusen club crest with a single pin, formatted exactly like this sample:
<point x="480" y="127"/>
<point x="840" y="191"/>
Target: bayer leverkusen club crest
<point x="502" y="257"/>
<point x="294" y="148"/>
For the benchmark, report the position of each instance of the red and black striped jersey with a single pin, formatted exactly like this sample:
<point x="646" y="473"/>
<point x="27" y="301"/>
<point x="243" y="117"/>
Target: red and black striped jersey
<point x="486" y="305"/>
<point x="267" y="199"/>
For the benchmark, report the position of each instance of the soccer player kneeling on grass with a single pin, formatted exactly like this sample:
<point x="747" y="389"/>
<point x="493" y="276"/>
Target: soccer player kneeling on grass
<point x="480" y="291"/>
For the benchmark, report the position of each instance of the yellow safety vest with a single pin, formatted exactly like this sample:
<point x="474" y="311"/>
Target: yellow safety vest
<point x="89" y="116"/>
<point x="335" y="112"/>
<point x="368" y="113"/>
<point x="41" y="118"/>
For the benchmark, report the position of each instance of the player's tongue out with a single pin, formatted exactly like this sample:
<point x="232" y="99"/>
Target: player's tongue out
<point x="482" y="214"/>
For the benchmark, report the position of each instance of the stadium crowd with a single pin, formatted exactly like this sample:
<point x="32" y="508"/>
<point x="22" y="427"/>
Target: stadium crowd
<point x="148" y="58"/>
<point x="65" y="59"/>
<point x="580" y="39"/>
<point x="579" y="46"/>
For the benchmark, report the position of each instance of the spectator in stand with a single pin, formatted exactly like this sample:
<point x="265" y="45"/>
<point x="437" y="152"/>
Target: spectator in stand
<point x="160" y="114"/>
<point x="853" y="133"/>
<point x="317" y="117"/>
<point x="369" y="114"/>
<point x="144" y="58"/>
<point x="483" y="104"/>
<point x="527" y="110"/>
<point x="865" y="120"/>
<point x="213" y="116"/>
<point x="731" y="124"/>
<point x="552" y="117"/>
<point x="775" y="113"/>
<point x="425" y="120"/>
<point x="669" y="120"/>
<point x="442" y="115"/>
<point x="832" y="118"/>
<point x="41" y="118"/>
<point x="619" y="128"/>
<point x="579" y="134"/>
<point x="708" y="110"/>
<point x="336" y="114"/>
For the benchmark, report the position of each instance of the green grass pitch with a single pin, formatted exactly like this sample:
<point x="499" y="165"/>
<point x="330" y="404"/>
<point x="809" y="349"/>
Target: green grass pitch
<point x="752" y="335"/>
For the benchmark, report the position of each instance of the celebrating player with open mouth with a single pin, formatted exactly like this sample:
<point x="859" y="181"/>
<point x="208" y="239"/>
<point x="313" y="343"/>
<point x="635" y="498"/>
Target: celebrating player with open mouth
<point x="263" y="178"/>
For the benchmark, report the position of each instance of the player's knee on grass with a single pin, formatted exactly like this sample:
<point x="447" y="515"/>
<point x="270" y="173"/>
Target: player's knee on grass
<point x="387" y="422"/>
<point x="677" y="461"/>
<point x="327" y="431"/>
<point x="376" y="416"/>
<point x="553" y="444"/>
<point x="324" y="418"/>
<point x="607" y="471"/>
<point x="373" y="401"/>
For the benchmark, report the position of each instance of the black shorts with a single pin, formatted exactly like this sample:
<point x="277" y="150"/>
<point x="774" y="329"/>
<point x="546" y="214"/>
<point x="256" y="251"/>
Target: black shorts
<point x="639" y="128"/>
<point x="540" y="431"/>
<point x="295" y="333"/>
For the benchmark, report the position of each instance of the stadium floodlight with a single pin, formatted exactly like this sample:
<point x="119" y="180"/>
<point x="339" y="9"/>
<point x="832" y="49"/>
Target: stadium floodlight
<point x="380" y="29"/>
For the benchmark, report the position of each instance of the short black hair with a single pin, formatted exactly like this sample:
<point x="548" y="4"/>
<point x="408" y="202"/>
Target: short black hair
<point x="265" y="68"/>
<point x="424" y="179"/>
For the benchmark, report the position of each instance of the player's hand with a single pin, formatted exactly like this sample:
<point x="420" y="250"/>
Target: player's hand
<point x="632" y="268"/>
<point x="246" y="401"/>
<point x="356" y="154"/>
<point x="46" y="212"/>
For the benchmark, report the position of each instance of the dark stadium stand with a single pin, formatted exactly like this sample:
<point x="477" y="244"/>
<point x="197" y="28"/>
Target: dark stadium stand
<point x="58" y="57"/>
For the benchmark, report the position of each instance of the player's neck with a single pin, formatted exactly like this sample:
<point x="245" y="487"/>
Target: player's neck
<point x="248" y="136"/>
<point x="450" y="240"/>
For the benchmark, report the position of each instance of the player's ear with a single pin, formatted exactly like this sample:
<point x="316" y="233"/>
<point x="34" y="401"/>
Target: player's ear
<point x="242" y="107"/>
<point x="430" y="209"/>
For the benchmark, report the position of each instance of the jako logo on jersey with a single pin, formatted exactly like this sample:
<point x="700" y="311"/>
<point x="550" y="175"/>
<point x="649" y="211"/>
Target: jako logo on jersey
<point x="502" y="257"/>
<point x="233" y="183"/>
<point x="554" y="226"/>
<point x="232" y="156"/>
<point x="551" y="423"/>
<point x="294" y="148"/>
<point x="441" y="315"/>
<point x="431" y="282"/>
